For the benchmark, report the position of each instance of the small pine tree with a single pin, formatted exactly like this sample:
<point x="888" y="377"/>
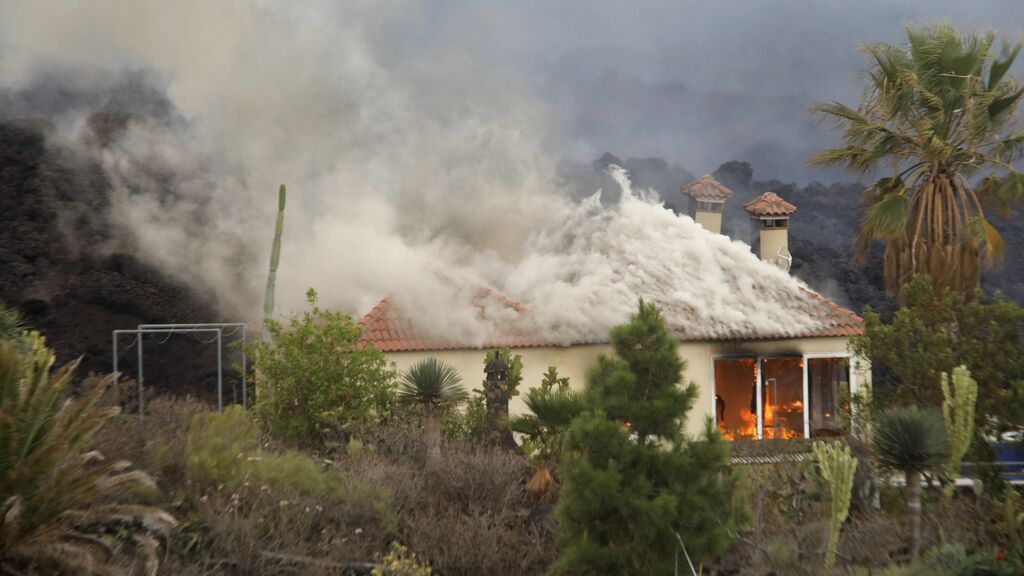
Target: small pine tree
<point x="633" y="484"/>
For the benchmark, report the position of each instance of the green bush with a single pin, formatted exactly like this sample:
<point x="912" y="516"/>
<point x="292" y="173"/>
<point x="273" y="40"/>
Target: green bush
<point x="224" y="453"/>
<point x="220" y="447"/>
<point x="314" y="382"/>
<point x="467" y="421"/>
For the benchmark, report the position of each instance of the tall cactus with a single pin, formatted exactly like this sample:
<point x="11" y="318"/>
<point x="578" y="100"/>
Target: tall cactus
<point x="275" y="258"/>
<point x="836" y="466"/>
<point x="958" y="404"/>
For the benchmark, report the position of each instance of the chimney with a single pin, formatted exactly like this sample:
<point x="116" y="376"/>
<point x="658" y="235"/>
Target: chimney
<point x="770" y="215"/>
<point x="707" y="200"/>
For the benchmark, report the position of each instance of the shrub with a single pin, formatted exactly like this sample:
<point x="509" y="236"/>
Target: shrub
<point x="313" y="381"/>
<point x="221" y="446"/>
<point x="466" y="422"/>
<point x="56" y="495"/>
<point x="399" y="561"/>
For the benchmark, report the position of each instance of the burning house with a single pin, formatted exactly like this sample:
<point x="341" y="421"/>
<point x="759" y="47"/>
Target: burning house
<point x="788" y="378"/>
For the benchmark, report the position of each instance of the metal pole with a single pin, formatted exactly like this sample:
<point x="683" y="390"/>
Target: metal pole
<point x="138" y="340"/>
<point x="220" y="375"/>
<point x="760" y="403"/>
<point x="807" y="396"/>
<point x="113" y="367"/>
<point x="245" y="369"/>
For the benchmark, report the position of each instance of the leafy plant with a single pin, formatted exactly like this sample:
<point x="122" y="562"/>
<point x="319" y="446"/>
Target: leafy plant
<point x="937" y="112"/>
<point x="399" y="561"/>
<point x="314" y="381"/>
<point x="912" y="441"/>
<point x="935" y="333"/>
<point x="836" y="466"/>
<point x="56" y="495"/>
<point x="435" y="386"/>
<point x="958" y="414"/>
<point x="515" y="369"/>
<point x="467" y="420"/>
<point x="552" y="406"/>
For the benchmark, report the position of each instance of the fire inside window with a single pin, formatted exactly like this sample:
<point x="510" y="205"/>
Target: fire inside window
<point x="780" y="411"/>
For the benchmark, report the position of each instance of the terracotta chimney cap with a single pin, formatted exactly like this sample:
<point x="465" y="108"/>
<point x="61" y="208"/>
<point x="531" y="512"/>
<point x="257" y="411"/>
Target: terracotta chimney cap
<point x="708" y="189"/>
<point x="767" y="205"/>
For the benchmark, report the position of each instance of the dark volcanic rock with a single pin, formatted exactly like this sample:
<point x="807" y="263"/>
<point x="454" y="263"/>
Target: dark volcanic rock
<point x="63" y="265"/>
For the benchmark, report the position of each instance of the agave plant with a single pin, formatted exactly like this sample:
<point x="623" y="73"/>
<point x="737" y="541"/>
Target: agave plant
<point x="912" y="441"/>
<point x="938" y="119"/>
<point x="552" y="407"/>
<point x="56" y="495"/>
<point x="435" y="386"/>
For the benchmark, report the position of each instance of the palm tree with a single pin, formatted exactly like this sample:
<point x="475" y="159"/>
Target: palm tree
<point x="939" y="118"/>
<point x="912" y="441"/>
<point x="57" y="496"/>
<point x="552" y="409"/>
<point x="435" y="386"/>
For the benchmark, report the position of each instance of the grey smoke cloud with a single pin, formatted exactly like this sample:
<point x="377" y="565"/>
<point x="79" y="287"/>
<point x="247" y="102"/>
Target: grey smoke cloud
<point x="418" y="136"/>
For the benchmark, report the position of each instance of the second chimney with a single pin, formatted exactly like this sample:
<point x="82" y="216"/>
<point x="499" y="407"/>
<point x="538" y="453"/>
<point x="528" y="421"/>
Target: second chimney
<point x="707" y="200"/>
<point x="770" y="215"/>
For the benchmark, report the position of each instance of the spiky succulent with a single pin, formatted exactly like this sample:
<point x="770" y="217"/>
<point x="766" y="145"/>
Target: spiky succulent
<point x="57" y="496"/>
<point x="432" y="382"/>
<point x="911" y="440"/>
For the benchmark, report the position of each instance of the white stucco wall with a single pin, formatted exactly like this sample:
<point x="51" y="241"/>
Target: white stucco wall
<point x="573" y="361"/>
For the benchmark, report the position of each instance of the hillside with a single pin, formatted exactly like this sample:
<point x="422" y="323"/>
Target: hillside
<point x="63" y="265"/>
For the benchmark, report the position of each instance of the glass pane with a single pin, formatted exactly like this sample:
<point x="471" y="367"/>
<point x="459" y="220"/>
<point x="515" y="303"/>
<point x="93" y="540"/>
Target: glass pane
<point x="828" y="385"/>
<point x="783" y="392"/>
<point x="736" y="398"/>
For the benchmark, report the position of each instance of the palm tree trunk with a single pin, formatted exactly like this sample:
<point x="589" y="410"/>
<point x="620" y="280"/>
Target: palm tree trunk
<point x="914" y="512"/>
<point x="432" y="436"/>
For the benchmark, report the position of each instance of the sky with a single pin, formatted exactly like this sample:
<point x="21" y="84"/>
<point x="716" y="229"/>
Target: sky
<point x="696" y="83"/>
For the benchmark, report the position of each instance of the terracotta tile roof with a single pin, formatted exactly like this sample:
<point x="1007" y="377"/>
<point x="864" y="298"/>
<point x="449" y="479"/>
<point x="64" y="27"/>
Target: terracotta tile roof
<point x="769" y="204"/>
<point x="387" y="328"/>
<point x="707" y="188"/>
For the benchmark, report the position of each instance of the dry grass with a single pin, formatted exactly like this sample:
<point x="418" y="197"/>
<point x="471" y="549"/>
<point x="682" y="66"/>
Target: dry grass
<point x="473" y="517"/>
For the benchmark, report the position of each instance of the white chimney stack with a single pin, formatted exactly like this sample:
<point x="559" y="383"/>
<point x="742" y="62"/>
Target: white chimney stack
<point x="770" y="215"/>
<point x="707" y="201"/>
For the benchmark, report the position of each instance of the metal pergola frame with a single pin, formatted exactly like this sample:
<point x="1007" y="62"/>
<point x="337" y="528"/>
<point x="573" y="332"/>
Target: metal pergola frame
<point x="217" y="328"/>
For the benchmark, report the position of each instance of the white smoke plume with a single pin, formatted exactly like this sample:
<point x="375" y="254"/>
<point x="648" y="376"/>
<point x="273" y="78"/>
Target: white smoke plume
<point x="411" y="171"/>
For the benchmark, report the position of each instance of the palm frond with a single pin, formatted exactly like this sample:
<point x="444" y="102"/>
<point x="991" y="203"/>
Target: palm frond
<point x="1002" y="65"/>
<point x="886" y="215"/>
<point x="989" y="238"/>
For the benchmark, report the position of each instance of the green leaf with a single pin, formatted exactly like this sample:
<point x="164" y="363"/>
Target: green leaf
<point x="1001" y="106"/>
<point x="1001" y="66"/>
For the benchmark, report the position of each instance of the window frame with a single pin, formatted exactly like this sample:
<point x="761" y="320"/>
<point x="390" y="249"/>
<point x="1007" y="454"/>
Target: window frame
<point x="854" y="384"/>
